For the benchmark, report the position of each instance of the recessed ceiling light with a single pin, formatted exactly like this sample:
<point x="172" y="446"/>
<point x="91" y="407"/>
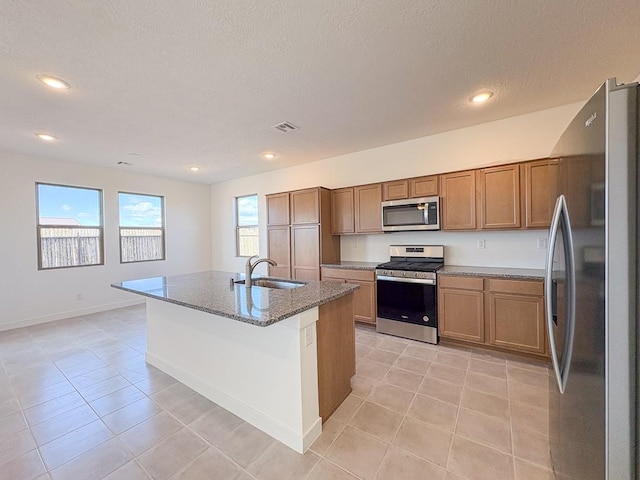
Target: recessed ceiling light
<point x="481" y="97"/>
<point x="194" y="168"/>
<point x="53" y="82"/>
<point x="269" y="155"/>
<point x="46" y="137"/>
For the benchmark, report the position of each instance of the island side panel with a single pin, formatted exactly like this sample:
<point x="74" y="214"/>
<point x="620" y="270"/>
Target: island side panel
<point x="336" y="353"/>
<point x="265" y="375"/>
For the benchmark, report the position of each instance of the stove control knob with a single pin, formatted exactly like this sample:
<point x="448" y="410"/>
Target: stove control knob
<point x="404" y="274"/>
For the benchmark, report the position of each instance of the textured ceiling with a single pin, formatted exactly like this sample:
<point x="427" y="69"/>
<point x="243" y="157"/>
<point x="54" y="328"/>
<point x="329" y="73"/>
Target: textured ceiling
<point x="166" y="84"/>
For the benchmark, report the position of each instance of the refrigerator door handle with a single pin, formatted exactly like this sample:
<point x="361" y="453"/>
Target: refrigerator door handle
<point x="560" y="218"/>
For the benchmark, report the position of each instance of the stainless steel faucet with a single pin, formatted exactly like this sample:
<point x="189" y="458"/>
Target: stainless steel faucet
<point x="250" y="266"/>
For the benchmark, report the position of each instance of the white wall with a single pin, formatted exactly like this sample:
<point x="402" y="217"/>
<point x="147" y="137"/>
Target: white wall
<point x="29" y="296"/>
<point x="514" y="139"/>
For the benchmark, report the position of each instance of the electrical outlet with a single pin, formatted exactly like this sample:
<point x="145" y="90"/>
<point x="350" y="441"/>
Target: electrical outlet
<point x="542" y="243"/>
<point x="308" y="336"/>
<point x="78" y="296"/>
<point x="482" y="243"/>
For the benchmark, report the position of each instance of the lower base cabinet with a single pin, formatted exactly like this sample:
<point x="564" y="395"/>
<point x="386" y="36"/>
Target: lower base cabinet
<point x="364" y="298"/>
<point x="461" y="308"/>
<point x="504" y="313"/>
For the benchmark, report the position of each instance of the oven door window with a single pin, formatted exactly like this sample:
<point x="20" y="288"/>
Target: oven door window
<point x="408" y="302"/>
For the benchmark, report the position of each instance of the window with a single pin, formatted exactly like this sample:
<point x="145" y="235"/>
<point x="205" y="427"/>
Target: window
<point x="69" y="226"/>
<point x="247" y="225"/>
<point x="141" y="227"/>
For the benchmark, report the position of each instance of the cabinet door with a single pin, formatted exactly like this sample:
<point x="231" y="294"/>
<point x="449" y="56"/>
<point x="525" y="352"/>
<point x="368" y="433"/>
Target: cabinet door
<point x="517" y="322"/>
<point x="458" y="195"/>
<point x="461" y="314"/>
<point x="278" y="250"/>
<point x="499" y="197"/>
<point x="368" y="200"/>
<point x="278" y="209"/>
<point x="305" y="206"/>
<point x="397" y="190"/>
<point x="364" y="302"/>
<point x="342" y="213"/>
<point x="540" y="191"/>
<point x="424" y="186"/>
<point x="305" y="252"/>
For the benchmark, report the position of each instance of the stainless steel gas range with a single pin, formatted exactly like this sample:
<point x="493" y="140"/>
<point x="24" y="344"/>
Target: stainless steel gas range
<point x="407" y="296"/>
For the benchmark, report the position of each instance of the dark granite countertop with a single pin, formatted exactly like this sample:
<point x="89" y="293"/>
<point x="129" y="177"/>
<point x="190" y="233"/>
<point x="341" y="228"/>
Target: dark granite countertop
<point x="353" y="265"/>
<point x="514" y="273"/>
<point x="214" y="292"/>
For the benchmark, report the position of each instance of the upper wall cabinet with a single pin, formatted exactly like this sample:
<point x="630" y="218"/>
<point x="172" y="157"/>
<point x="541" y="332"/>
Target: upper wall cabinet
<point x="356" y="210"/>
<point x="305" y="206"/>
<point x="397" y="190"/>
<point x="342" y="212"/>
<point x="458" y="200"/>
<point x="368" y="208"/>
<point x="499" y="189"/>
<point x="424" y="186"/>
<point x="411" y="188"/>
<point x="278" y="209"/>
<point x="540" y="180"/>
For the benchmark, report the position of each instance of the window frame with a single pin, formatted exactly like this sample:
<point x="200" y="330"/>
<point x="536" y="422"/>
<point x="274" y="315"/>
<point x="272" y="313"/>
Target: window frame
<point x="162" y="229"/>
<point x="238" y="226"/>
<point x="100" y="227"/>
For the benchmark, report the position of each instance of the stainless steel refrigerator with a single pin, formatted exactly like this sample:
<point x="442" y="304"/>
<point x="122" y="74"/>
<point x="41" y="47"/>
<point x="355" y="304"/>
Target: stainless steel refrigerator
<point x="591" y="290"/>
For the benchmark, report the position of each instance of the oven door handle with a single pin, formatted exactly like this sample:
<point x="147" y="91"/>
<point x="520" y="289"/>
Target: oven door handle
<point x="424" y="281"/>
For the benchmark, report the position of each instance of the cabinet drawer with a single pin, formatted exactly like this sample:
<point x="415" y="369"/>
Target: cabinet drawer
<point x="521" y="287"/>
<point x="347" y="274"/>
<point x="462" y="282"/>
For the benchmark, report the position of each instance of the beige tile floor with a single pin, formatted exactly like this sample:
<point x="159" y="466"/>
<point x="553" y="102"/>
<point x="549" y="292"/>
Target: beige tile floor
<point x="77" y="401"/>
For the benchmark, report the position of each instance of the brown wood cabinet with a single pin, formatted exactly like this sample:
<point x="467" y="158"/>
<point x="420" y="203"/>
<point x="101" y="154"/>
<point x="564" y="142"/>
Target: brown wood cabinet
<point x="499" y="189"/>
<point x="364" y="299"/>
<point x="305" y="252"/>
<point x="540" y="186"/>
<point x="279" y="248"/>
<point x="335" y="334"/>
<point x="278" y="209"/>
<point x="396" y="190"/>
<point x="516" y="315"/>
<point x="503" y="313"/>
<point x="424" y="186"/>
<point x="304" y="245"/>
<point x="461" y="308"/>
<point x="305" y="206"/>
<point x="368" y="213"/>
<point x="342" y="211"/>
<point x="458" y="200"/>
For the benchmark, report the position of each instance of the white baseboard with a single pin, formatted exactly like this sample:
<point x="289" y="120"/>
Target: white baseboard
<point x="294" y="440"/>
<point x="68" y="314"/>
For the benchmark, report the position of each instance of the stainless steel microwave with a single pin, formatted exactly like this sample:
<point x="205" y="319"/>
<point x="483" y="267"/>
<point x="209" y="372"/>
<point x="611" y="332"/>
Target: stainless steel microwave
<point x="411" y="214"/>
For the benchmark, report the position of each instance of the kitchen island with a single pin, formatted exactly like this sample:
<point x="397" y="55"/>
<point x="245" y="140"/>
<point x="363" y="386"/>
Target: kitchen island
<point x="280" y="358"/>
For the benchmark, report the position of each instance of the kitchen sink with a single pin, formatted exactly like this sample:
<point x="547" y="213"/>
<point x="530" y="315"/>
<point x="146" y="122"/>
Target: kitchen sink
<point x="272" y="283"/>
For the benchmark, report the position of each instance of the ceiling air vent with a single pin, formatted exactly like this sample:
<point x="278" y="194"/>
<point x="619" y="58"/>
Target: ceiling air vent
<point x="285" y="127"/>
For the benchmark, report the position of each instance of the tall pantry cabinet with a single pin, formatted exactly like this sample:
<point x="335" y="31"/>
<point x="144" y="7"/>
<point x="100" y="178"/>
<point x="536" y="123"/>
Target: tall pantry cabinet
<point x="299" y="233"/>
